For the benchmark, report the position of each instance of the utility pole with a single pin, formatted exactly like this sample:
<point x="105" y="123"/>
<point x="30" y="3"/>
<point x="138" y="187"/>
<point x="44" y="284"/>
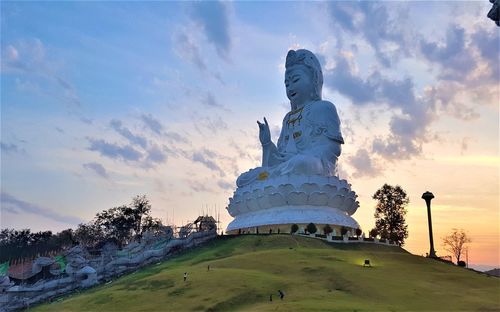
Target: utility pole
<point x="427" y="196"/>
<point x="467" y="257"/>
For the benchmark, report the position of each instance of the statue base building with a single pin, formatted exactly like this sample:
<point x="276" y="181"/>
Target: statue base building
<point x="275" y="205"/>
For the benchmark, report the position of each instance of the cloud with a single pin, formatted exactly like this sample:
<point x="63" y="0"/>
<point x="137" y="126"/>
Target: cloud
<point x="86" y="120"/>
<point x="152" y="124"/>
<point x="175" y="137"/>
<point x="206" y="157"/>
<point x="212" y="17"/>
<point x="396" y="147"/>
<point x="210" y="101"/>
<point x="186" y="45"/>
<point x="97" y="168"/>
<point x="157" y="127"/>
<point x="198" y="186"/>
<point x="342" y="79"/>
<point x="244" y="152"/>
<point x="365" y="165"/>
<point x="29" y="58"/>
<point x="488" y="43"/>
<point x="127" y="152"/>
<point x="214" y="125"/>
<point x="126" y="133"/>
<point x="464" y="146"/>
<point x="453" y="56"/>
<point x="226" y="185"/>
<point x="410" y="119"/>
<point x="187" y="48"/>
<point x="16" y="205"/>
<point x="26" y="56"/>
<point x="374" y="23"/>
<point x="155" y="155"/>
<point x="9" y="148"/>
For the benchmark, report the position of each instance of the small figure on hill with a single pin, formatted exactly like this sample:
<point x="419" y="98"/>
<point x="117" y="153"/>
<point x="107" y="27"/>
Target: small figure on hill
<point x="271" y="297"/>
<point x="185" y="276"/>
<point x="282" y="294"/>
<point x="270" y="231"/>
<point x="278" y="230"/>
<point x="208" y="267"/>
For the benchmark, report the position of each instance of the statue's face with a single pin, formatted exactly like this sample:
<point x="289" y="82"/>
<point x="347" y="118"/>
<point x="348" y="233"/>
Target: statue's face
<point x="299" y="85"/>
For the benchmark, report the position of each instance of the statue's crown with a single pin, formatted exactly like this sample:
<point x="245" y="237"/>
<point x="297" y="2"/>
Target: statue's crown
<point x="302" y="57"/>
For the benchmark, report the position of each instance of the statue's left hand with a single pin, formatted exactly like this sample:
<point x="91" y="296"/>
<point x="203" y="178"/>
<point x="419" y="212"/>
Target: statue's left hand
<point x="264" y="132"/>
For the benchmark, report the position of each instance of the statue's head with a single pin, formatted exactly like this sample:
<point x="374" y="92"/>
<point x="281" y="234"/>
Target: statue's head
<point x="306" y="62"/>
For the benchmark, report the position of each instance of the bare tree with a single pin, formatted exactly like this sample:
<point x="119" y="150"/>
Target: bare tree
<point x="455" y="242"/>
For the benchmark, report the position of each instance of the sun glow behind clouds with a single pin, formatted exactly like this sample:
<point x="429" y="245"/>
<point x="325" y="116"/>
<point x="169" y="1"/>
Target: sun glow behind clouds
<point x="94" y="114"/>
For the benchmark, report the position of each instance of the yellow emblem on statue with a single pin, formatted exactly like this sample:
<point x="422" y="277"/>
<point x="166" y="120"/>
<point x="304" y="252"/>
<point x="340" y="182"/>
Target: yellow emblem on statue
<point x="263" y="175"/>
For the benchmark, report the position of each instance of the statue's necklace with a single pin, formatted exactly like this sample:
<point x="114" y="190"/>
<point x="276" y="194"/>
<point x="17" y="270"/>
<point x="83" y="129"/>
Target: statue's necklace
<point x="295" y="116"/>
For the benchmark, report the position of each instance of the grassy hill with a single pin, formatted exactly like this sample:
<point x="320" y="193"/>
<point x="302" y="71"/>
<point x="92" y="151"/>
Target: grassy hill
<point x="315" y="276"/>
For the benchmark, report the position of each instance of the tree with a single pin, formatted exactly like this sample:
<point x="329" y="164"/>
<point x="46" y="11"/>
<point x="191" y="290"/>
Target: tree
<point x="359" y="232"/>
<point x="141" y="207"/>
<point x="125" y="223"/>
<point x="373" y="233"/>
<point x="154" y="225"/>
<point x="294" y="228"/>
<point x="311" y="228"/>
<point x="117" y="223"/>
<point x="327" y="229"/>
<point x="456" y="242"/>
<point x="88" y="234"/>
<point x="390" y="213"/>
<point x="343" y="231"/>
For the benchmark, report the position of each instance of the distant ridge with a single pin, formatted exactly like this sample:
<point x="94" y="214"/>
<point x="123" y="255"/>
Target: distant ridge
<point x="494" y="272"/>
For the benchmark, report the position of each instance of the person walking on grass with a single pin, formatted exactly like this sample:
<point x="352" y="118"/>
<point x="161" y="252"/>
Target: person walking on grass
<point x="185" y="276"/>
<point x="282" y="294"/>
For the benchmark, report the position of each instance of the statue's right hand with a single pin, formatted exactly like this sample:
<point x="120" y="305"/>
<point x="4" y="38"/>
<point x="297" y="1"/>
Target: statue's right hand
<point x="264" y="132"/>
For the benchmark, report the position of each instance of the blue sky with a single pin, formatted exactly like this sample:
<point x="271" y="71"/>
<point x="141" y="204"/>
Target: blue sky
<point x="101" y="101"/>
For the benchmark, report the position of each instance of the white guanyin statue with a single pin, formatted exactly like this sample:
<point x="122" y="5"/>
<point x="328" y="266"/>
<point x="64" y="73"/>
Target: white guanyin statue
<point x="297" y="182"/>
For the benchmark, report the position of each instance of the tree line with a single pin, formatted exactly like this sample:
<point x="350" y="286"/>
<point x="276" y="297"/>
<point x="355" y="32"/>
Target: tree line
<point x="120" y="225"/>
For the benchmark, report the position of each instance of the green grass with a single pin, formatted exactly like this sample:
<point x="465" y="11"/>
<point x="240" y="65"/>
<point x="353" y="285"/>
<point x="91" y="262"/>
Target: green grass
<point x="315" y="275"/>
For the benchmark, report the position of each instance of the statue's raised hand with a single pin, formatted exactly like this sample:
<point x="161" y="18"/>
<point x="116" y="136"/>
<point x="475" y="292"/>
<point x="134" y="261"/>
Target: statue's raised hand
<point x="264" y="132"/>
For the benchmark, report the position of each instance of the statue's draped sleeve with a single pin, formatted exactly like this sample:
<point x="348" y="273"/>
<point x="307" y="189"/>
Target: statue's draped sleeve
<point x="325" y="121"/>
<point x="281" y="140"/>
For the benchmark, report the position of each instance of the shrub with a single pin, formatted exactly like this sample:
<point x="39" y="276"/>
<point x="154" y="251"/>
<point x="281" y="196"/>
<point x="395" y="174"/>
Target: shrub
<point x="327" y="229"/>
<point x="343" y="231"/>
<point x="461" y="264"/>
<point x="311" y="228"/>
<point x="294" y="228"/>
<point x="373" y="233"/>
<point x="358" y="232"/>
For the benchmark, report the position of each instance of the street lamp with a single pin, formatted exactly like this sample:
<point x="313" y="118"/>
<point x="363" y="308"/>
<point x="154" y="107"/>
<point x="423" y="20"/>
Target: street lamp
<point x="427" y="196"/>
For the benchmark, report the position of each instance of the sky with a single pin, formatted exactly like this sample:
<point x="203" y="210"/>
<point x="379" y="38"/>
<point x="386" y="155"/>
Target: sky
<point x="103" y="101"/>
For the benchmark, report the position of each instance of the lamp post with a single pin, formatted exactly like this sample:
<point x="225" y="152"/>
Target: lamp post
<point x="427" y="196"/>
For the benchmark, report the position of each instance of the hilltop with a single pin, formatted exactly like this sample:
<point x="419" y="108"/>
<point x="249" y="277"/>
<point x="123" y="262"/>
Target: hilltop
<point x="315" y="276"/>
